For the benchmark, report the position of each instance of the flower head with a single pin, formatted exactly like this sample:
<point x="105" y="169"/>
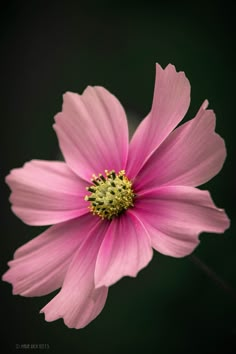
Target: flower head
<point x="111" y="202"/>
<point x="110" y="195"/>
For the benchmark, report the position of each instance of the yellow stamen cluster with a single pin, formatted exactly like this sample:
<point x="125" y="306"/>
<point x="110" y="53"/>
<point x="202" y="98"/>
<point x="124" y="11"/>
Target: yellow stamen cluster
<point x="110" y="195"/>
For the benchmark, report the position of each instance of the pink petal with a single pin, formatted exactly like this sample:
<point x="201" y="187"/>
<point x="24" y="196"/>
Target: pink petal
<point x="175" y="216"/>
<point x="92" y="132"/>
<point x="46" y="192"/>
<point x="125" y="250"/>
<point x="191" y="155"/>
<point x="39" y="266"/>
<point x="170" y="103"/>
<point x="78" y="302"/>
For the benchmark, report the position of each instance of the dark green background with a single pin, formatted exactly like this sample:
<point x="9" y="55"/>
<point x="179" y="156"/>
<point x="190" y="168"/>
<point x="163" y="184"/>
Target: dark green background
<point x="172" y="307"/>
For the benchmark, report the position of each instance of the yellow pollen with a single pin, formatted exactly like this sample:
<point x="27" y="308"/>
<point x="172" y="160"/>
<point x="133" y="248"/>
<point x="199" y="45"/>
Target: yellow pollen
<point x="110" y="195"/>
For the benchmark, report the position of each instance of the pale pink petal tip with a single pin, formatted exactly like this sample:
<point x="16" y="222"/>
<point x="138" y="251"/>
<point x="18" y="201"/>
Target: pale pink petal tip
<point x="191" y="155"/>
<point x="78" y="302"/>
<point x="46" y="193"/>
<point x="205" y="104"/>
<point x="175" y="216"/>
<point x="75" y="317"/>
<point x="92" y="132"/>
<point x="171" y="100"/>
<point x="39" y="267"/>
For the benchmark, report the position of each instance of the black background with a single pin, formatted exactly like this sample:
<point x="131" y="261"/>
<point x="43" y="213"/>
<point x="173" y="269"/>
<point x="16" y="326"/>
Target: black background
<point x="50" y="47"/>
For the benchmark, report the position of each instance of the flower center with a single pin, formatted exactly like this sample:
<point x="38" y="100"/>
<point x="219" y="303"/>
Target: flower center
<point x="110" y="195"/>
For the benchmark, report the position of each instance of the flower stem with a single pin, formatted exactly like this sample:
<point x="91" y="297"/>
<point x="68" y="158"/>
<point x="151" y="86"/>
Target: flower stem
<point x="212" y="274"/>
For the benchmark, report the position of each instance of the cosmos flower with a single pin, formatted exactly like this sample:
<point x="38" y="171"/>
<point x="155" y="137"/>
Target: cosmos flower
<point x="112" y="202"/>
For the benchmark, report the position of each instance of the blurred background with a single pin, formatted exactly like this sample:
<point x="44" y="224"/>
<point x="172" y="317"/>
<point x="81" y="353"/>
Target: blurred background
<point x="49" y="47"/>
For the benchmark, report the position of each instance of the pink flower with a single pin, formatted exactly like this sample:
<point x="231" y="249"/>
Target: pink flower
<point x="142" y="196"/>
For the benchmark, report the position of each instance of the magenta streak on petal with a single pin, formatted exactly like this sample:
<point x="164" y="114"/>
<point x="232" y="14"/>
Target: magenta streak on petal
<point x="125" y="250"/>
